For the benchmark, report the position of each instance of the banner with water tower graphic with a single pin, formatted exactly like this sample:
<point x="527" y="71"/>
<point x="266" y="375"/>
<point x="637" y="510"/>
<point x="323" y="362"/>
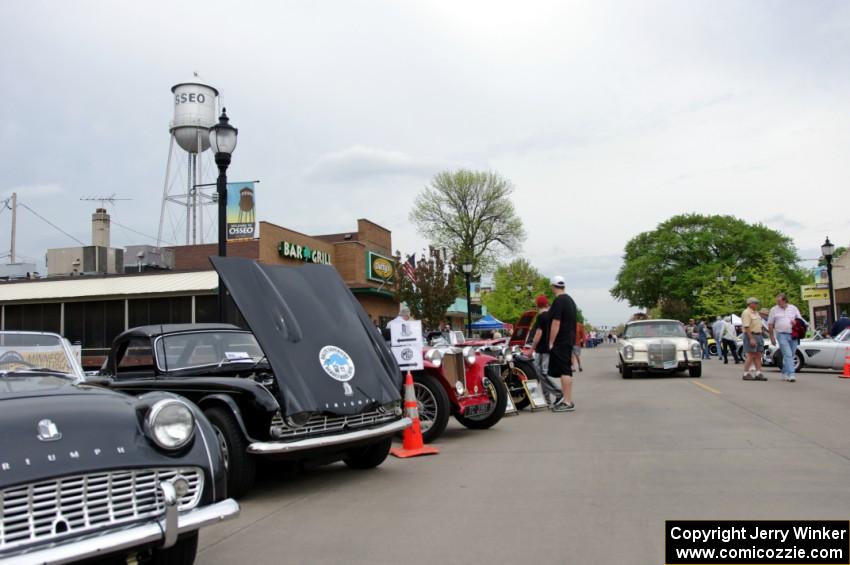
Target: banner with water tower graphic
<point x="241" y="211"/>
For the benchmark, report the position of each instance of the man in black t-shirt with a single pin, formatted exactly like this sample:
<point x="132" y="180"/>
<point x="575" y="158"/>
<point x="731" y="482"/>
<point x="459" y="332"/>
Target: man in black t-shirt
<point x="540" y="346"/>
<point x="562" y="336"/>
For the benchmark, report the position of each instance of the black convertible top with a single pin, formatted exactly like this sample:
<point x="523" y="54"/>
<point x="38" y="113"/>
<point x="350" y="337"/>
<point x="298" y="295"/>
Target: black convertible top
<point x="162" y="329"/>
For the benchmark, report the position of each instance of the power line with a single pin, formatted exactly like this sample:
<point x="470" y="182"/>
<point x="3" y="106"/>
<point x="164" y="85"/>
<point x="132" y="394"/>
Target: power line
<point x="138" y="232"/>
<point x="51" y="224"/>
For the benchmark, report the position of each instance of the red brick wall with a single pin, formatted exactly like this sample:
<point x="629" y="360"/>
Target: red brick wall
<point x="196" y="257"/>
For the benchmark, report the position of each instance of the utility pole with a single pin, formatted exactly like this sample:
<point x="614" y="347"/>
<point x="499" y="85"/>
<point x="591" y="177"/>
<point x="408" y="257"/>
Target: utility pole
<point x="14" y="226"/>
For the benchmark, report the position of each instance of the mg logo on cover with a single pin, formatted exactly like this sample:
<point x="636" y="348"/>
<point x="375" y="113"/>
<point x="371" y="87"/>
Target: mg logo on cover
<point x="47" y="431"/>
<point x="338" y="365"/>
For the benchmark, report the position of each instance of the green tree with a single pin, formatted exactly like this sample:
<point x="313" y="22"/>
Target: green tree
<point x="670" y="266"/>
<point x="471" y="214"/>
<point x="431" y="292"/>
<point x="505" y="302"/>
<point x="763" y="281"/>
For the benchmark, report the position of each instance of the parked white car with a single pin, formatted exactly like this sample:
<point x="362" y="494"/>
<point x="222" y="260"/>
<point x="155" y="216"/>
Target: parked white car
<point x="658" y="346"/>
<point x="823" y="353"/>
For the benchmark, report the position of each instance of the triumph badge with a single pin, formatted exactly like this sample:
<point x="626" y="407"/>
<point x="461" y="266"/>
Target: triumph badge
<point x="338" y="365"/>
<point x="47" y="431"/>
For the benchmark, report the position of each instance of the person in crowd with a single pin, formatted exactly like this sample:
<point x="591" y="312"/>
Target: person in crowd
<point x="562" y="337"/>
<point x="717" y="333"/>
<point x="702" y="337"/>
<point x="691" y="329"/>
<point x="540" y="346"/>
<point x="403" y="316"/>
<point x="780" y="324"/>
<point x="841" y="324"/>
<point x="729" y="341"/>
<point x="753" y="325"/>
<point x="581" y="338"/>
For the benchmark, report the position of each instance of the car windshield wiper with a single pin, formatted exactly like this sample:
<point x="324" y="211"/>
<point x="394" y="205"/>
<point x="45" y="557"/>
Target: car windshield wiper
<point x="30" y="371"/>
<point x="237" y="360"/>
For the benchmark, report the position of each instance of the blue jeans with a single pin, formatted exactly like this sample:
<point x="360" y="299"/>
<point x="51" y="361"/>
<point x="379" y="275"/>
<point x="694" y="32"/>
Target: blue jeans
<point x="703" y="341"/>
<point x="788" y="347"/>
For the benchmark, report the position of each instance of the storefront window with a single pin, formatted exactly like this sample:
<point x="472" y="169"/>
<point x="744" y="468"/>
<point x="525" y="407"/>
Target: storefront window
<point x="94" y="324"/>
<point x="33" y="317"/>
<point x="147" y="311"/>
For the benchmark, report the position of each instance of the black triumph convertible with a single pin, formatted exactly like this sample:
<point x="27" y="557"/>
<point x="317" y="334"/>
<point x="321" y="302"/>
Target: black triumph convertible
<point x="90" y="473"/>
<point x="311" y="381"/>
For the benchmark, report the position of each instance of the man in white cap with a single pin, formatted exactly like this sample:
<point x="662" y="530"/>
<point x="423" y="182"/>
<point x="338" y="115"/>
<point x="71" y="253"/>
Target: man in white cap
<point x="562" y="337"/>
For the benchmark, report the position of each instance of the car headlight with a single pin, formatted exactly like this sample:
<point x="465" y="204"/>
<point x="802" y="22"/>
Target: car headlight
<point x="170" y="424"/>
<point x="459" y="387"/>
<point x="696" y="350"/>
<point x="469" y="355"/>
<point x="434" y="357"/>
<point x="629" y="352"/>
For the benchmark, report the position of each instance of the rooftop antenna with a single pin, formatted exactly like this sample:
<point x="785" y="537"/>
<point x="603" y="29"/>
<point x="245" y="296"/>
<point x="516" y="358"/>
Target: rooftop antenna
<point x="103" y="199"/>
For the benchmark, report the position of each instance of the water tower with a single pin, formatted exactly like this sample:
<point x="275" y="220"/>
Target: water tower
<point x="183" y="196"/>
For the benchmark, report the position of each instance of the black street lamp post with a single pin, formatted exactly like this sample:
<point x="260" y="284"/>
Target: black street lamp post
<point x="467" y="272"/>
<point x="828" y="249"/>
<point x="223" y="143"/>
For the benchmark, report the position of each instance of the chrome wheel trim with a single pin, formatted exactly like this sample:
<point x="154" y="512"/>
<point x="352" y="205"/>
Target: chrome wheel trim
<point x="225" y="451"/>
<point x="426" y="404"/>
<point x="514" y="385"/>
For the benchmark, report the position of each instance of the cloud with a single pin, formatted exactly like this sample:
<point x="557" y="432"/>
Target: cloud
<point x="33" y="190"/>
<point x="359" y="162"/>
<point x="783" y="222"/>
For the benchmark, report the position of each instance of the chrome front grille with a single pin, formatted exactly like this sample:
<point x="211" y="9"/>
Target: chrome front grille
<point x="325" y="424"/>
<point x="661" y="353"/>
<point x="454" y="369"/>
<point x="48" y="510"/>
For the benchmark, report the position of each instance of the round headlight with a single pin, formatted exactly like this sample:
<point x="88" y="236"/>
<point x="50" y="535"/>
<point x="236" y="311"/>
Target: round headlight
<point x="696" y="350"/>
<point x="459" y="387"/>
<point x="469" y="355"/>
<point x="629" y="352"/>
<point x="170" y="424"/>
<point x="434" y="357"/>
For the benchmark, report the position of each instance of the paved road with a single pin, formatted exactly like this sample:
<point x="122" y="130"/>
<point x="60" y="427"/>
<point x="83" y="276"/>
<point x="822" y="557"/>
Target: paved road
<point x="593" y="486"/>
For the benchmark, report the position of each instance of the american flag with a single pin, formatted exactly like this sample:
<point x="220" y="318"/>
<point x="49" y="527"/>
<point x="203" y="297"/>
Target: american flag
<point x="409" y="268"/>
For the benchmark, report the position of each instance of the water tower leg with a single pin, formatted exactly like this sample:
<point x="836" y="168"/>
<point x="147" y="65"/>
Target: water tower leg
<point x="165" y="192"/>
<point x="188" y="197"/>
<point x="199" y="161"/>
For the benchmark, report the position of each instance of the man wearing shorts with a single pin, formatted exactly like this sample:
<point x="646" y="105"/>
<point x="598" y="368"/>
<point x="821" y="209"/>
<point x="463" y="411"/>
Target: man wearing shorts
<point x="752" y="324"/>
<point x="540" y="345"/>
<point x="562" y="336"/>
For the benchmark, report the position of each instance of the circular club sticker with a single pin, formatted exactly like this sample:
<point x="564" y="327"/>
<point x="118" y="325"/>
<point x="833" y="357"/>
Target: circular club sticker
<point x="336" y="363"/>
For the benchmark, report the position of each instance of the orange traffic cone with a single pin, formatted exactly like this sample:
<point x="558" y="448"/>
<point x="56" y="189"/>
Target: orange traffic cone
<point x="846" y="374"/>
<point x="412" y="444"/>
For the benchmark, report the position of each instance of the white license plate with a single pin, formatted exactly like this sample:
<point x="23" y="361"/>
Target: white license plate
<point x="671" y="364"/>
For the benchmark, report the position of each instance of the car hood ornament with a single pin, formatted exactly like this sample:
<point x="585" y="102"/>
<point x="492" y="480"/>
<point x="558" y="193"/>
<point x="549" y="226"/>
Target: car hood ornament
<point x="47" y="431"/>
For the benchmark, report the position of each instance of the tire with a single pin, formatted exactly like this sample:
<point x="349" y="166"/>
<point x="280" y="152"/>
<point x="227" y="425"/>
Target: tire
<point x="241" y="467"/>
<point x="433" y="403"/>
<point x="799" y="362"/>
<point x="181" y="553"/>
<point x="486" y="421"/>
<point x="695" y="372"/>
<point x="625" y="371"/>
<point x="370" y="456"/>
<point x="514" y="383"/>
<point x="713" y="351"/>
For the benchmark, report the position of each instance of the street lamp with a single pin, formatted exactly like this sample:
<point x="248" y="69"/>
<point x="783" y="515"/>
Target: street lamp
<point x="719" y="278"/>
<point x="529" y="287"/>
<point x="828" y="249"/>
<point x="517" y="287"/>
<point x="223" y="143"/>
<point x="467" y="272"/>
<point x="733" y="279"/>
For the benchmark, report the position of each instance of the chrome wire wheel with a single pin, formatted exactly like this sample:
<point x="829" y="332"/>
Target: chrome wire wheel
<point x="426" y="404"/>
<point x="513" y="380"/>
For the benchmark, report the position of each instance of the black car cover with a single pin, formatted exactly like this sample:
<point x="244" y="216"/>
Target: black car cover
<point x="323" y="349"/>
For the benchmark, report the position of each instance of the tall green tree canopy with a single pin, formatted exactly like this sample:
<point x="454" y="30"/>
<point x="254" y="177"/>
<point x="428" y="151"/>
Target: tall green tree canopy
<point x="431" y="291"/>
<point x="505" y="302"/>
<point x="471" y="214"/>
<point x="685" y="254"/>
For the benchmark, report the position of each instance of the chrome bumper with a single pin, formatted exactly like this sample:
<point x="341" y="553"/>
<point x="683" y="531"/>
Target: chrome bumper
<point x="147" y="533"/>
<point x="271" y="447"/>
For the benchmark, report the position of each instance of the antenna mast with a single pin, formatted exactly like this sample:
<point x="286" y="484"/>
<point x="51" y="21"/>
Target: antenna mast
<point x="103" y="199"/>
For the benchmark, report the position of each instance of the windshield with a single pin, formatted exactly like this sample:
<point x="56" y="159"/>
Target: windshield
<point x="655" y="329"/>
<point x="204" y="349"/>
<point x="843" y="336"/>
<point x="23" y="352"/>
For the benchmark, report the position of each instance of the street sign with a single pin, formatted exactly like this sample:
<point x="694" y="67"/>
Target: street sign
<point x="814" y="292"/>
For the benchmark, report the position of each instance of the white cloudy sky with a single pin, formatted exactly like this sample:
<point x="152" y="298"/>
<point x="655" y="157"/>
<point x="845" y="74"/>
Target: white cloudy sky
<point x="608" y="116"/>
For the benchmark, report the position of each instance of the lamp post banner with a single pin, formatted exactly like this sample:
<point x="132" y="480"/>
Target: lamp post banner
<point x="241" y="211"/>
